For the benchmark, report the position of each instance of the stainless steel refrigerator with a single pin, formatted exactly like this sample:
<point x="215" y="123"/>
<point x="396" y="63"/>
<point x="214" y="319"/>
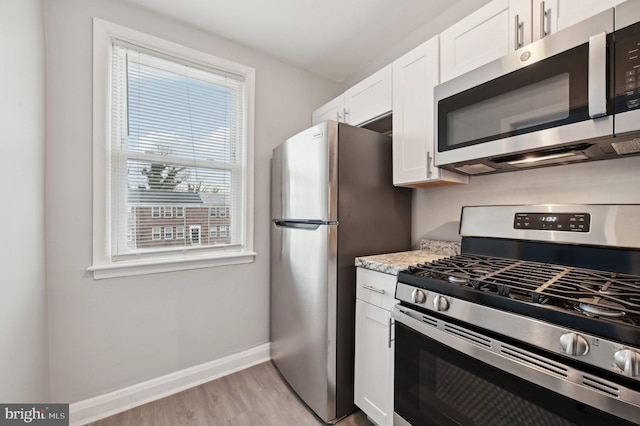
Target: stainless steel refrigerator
<point x="332" y="200"/>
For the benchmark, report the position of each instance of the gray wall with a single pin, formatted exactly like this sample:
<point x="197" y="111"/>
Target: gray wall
<point x="436" y="211"/>
<point x="23" y="309"/>
<point x="24" y="360"/>
<point x="433" y="25"/>
<point x="109" y="334"/>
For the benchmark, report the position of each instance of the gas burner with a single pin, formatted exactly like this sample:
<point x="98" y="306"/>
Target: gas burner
<point x="480" y="272"/>
<point x="458" y="279"/>
<point x="602" y="308"/>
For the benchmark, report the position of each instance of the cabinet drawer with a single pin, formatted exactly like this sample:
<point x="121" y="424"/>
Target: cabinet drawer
<point x="376" y="288"/>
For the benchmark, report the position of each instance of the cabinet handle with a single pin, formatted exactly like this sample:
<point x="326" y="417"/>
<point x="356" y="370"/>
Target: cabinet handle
<point x="519" y="26"/>
<point x="346" y="115"/>
<point x="389" y="340"/>
<point x="377" y="290"/>
<point x="429" y="159"/>
<point x="544" y="19"/>
<point x="338" y="116"/>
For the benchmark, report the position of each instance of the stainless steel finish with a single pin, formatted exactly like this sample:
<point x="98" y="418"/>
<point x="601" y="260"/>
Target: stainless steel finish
<point x="544" y="18"/>
<point x="390" y="329"/>
<point x="429" y="160"/>
<point x="534" y="332"/>
<point x="628" y="361"/>
<point x="627" y="13"/>
<point x="566" y="380"/>
<point x="519" y="25"/>
<point x="299" y="339"/>
<point x="302" y="162"/>
<point x="371" y="288"/>
<point x="399" y="421"/>
<point x="418" y="296"/>
<point x="440" y="303"/>
<point x="549" y="46"/>
<point x="598" y="75"/>
<point x="611" y="225"/>
<point x="574" y="344"/>
<point x="323" y="209"/>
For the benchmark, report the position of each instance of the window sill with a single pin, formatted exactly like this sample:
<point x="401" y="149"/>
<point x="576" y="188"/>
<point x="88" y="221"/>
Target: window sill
<point x="155" y="266"/>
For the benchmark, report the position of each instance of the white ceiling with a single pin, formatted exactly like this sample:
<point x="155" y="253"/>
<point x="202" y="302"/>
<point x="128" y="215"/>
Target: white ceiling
<point x="331" y="38"/>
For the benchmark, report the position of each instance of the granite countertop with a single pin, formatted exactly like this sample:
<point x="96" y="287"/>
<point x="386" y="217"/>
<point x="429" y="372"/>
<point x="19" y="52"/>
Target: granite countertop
<point x="392" y="263"/>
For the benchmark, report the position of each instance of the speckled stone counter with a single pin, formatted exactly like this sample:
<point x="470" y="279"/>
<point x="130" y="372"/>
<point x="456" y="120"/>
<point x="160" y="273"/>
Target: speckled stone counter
<point x="393" y="263"/>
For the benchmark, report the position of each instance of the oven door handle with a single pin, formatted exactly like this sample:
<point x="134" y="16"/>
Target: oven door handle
<point x="598" y="75"/>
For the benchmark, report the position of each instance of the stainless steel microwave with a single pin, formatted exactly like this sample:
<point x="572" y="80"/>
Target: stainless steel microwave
<point x="570" y="97"/>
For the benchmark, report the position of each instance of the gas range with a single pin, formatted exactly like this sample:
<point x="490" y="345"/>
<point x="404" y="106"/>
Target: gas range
<point x="555" y="288"/>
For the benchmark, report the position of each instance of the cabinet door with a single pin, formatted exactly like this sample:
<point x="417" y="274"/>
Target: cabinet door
<point x="544" y="19"/>
<point x="373" y="379"/>
<point x="573" y="11"/>
<point x="332" y="110"/>
<point x="476" y="40"/>
<point x="369" y="99"/>
<point x="414" y="77"/>
<point x="520" y="22"/>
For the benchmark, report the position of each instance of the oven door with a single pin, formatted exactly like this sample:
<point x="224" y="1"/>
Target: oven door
<point x="446" y="374"/>
<point x="547" y="94"/>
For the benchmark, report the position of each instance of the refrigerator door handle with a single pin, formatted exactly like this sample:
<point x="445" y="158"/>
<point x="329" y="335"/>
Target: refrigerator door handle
<point x="310" y="225"/>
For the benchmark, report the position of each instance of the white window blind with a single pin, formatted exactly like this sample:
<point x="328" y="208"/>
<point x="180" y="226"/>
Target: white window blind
<point x="176" y="152"/>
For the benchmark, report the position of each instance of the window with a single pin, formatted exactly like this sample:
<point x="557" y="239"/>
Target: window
<point x="213" y="212"/>
<point x="180" y="132"/>
<point x="213" y="233"/>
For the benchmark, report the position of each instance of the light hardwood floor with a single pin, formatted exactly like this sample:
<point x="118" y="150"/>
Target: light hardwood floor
<point x="255" y="396"/>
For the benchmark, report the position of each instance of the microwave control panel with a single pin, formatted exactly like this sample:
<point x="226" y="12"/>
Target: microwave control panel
<point x="570" y="222"/>
<point x="627" y="68"/>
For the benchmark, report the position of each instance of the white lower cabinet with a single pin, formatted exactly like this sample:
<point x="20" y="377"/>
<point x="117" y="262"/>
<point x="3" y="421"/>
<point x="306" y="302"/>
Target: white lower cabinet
<point x="373" y="381"/>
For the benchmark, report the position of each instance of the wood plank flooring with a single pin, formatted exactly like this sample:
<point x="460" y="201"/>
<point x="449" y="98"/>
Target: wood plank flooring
<point x="255" y="396"/>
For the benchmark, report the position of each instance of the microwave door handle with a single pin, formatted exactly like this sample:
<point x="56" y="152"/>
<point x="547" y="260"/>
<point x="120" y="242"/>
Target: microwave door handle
<point x="597" y="75"/>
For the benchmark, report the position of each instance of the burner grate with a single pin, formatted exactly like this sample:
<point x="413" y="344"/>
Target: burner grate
<point x="592" y="293"/>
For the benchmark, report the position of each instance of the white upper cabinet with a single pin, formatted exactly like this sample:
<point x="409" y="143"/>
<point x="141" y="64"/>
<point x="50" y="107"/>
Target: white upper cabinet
<point x="531" y="20"/>
<point x="414" y="77"/>
<point x="369" y="99"/>
<point x="366" y="101"/>
<point x="573" y="11"/>
<point x="493" y="31"/>
<point x="544" y="18"/>
<point x="332" y="110"/>
<point x="476" y="40"/>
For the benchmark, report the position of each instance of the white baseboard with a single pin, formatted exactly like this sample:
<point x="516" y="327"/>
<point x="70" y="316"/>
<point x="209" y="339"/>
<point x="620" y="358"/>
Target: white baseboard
<point x="99" y="407"/>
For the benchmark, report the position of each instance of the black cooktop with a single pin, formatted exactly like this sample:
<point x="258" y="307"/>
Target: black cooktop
<point x="604" y="303"/>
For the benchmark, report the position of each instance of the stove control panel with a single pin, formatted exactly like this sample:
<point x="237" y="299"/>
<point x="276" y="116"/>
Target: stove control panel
<point x="569" y="222"/>
<point x="628" y="361"/>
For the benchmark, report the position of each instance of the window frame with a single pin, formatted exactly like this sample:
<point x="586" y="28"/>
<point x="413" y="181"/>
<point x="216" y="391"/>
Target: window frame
<point x="103" y="266"/>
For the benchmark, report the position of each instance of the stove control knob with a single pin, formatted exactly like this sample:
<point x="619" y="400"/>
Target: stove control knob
<point x="418" y="296"/>
<point x="574" y="344"/>
<point x="628" y="361"/>
<point x="440" y="303"/>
